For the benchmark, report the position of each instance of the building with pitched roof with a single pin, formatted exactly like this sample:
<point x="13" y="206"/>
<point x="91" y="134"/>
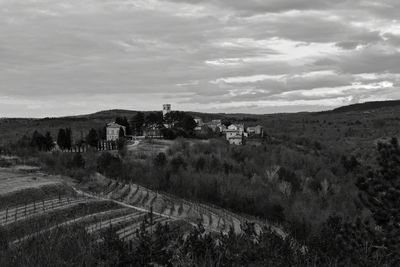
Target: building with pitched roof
<point x="113" y="131"/>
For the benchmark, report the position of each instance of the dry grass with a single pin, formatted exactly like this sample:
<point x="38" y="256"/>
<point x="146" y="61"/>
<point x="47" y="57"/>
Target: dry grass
<point x="150" y="147"/>
<point x="11" y="181"/>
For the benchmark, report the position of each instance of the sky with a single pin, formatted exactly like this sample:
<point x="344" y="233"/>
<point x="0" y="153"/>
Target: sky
<point x="69" y="57"/>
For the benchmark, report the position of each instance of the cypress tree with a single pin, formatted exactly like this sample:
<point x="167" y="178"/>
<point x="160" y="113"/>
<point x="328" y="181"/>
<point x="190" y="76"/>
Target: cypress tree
<point x="124" y="122"/>
<point x="48" y="141"/>
<point x="68" y="138"/>
<point x="61" y="139"/>
<point x="137" y="122"/>
<point x="121" y="132"/>
<point x="38" y="141"/>
<point x="92" y="138"/>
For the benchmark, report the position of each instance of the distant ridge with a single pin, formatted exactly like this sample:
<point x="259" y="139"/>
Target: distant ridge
<point x="111" y="114"/>
<point x="366" y="106"/>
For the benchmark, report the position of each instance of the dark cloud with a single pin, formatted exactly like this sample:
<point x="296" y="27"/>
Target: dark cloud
<point x="259" y="6"/>
<point x="348" y="45"/>
<point x="383" y="8"/>
<point x="370" y="60"/>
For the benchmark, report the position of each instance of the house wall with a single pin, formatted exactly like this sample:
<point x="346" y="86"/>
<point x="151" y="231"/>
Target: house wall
<point x="222" y="128"/>
<point x="232" y="127"/>
<point x="112" y="134"/>
<point x="251" y="130"/>
<point x="255" y="130"/>
<point x="236" y="127"/>
<point x="236" y="141"/>
<point x="230" y="134"/>
<point x="258" y="130"/>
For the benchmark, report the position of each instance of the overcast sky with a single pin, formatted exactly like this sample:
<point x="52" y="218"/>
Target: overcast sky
<point x="64" y="57"/>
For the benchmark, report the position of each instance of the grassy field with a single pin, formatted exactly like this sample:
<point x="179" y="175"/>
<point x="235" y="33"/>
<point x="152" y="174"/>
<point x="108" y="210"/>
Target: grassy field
<point x="148" y="147"/>
<point x="11" y="182"/>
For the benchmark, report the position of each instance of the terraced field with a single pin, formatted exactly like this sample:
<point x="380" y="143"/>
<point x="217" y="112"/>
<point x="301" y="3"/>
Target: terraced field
<point x="32" y="204"/>
<point x="35" y="204"/>
<point x="213" y="218"/>
<point x="24" y="212"/>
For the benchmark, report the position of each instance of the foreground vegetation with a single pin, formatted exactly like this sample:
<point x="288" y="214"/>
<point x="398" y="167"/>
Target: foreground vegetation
<point x="322" y="178"/>
<point x="167" y="246"/>
<point x="341" y="211"/>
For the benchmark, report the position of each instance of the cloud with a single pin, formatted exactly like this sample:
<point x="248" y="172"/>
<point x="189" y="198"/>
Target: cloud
<point x="383" y="8"/>
<point x="199" y="55"/>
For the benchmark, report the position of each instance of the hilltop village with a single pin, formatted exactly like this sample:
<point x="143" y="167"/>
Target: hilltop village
<point x="165" y="124"/>
<point x="177" y="123"/>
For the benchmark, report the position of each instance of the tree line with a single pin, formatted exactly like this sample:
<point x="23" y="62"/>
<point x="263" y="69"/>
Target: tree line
<point x="182" y="124"/>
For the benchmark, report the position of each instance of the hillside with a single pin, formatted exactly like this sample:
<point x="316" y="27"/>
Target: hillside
<point x="368" y="106"/>
<point x="357" y="126"/>
<point x="12" y="129"/>
<point x="303" y="174"/>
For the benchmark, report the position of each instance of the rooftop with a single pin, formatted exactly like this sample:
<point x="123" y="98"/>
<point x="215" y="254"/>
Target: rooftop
<point x="114" y="125"/>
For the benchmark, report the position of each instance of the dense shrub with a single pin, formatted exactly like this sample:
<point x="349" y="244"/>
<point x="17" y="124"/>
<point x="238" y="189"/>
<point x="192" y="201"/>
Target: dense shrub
<point x="336" y="244"/>
<point x="160" y="160"/>
<point x="4" y="163"/>
<point x="380" y="192"/>
<point x="109" y="165"/>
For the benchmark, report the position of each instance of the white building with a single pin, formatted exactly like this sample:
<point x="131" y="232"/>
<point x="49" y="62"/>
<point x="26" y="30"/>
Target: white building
<point x="113" y="131"/>
<point x="257" y="130"/>
<point x="236" y="127"/>
<point x="232" y="133"/>
<point x="235" y="134"/>
<point x="199" y="124"/>
<point x="236" y="140"/>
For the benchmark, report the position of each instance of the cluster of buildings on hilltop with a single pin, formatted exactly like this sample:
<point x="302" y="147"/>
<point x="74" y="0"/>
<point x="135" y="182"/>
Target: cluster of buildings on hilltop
<point x="113" y="129"/>
<point x="235" y="134"/>
<point x="214" y="125"/>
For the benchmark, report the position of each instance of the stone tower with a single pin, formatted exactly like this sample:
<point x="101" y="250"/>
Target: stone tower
<point x="166" y="109"/>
